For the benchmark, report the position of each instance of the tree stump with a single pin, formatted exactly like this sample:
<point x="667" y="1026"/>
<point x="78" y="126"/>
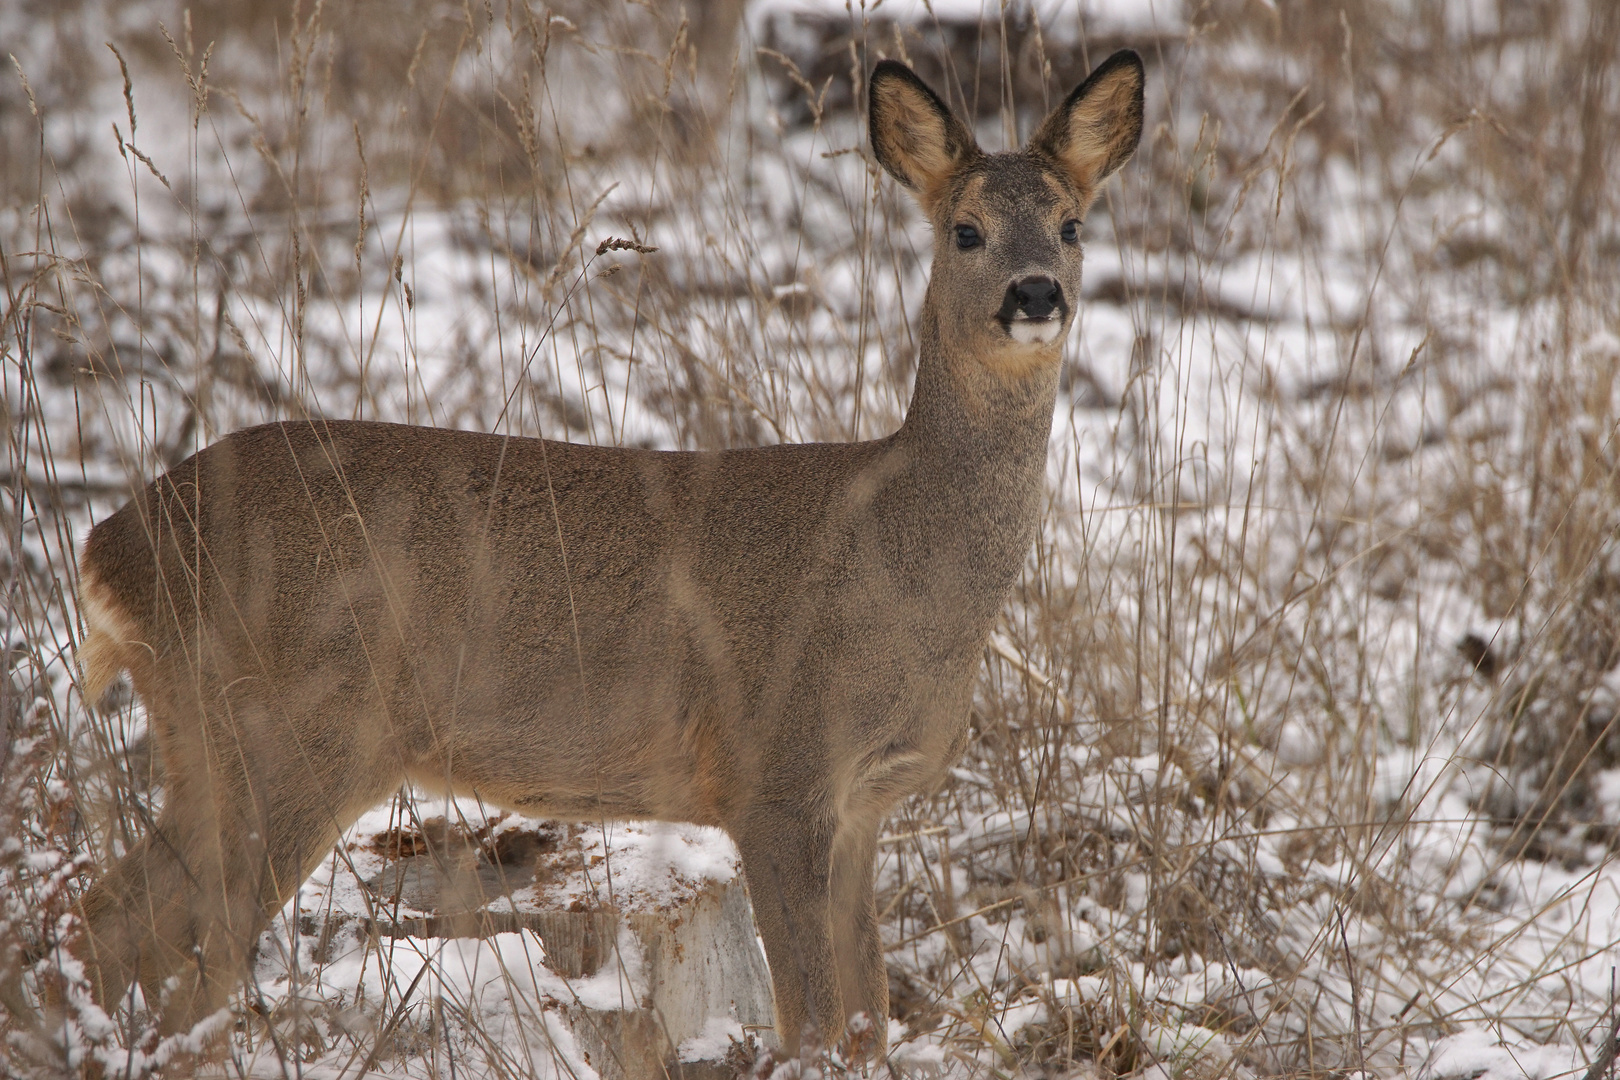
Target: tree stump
<point x="672" y="896"/>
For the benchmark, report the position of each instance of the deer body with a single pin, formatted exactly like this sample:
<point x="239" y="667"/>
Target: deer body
<point x="780" y="641"/>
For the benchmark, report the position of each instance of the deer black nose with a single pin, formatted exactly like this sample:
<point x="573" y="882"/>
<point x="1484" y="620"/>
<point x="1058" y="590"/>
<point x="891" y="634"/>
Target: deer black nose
<point x="1036" y="297"/>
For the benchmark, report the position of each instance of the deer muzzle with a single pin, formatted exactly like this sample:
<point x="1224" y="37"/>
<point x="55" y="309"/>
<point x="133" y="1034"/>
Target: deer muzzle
<point x="1033" y="310"/>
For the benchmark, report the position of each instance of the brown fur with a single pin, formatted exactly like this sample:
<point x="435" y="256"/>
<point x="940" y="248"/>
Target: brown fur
<point x="779" y="641"/>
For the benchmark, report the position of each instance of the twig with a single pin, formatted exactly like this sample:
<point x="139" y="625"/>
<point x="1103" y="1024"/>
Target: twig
<point x="1603" y="1065"/>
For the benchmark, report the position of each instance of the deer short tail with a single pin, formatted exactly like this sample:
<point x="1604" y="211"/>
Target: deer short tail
<point x="110" y="634"/>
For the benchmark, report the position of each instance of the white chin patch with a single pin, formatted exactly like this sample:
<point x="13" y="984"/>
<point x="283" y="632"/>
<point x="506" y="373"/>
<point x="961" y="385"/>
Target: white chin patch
<point x="1035" y="331"/>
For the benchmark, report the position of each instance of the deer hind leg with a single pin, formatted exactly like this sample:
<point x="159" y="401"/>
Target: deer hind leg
<point x="176" y="916"/>
<point x="787" y="855"/>
<point x="250" y="809"/>
<point x="137" y="924"/>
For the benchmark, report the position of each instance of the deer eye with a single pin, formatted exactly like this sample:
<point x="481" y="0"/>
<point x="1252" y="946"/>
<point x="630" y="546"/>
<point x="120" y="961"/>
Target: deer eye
<point x="968" y="237"/>
<point x="1071" y="231"/>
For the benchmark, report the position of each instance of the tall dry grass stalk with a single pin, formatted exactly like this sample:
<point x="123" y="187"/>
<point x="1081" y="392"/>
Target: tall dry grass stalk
<point x="1312" y="669"/>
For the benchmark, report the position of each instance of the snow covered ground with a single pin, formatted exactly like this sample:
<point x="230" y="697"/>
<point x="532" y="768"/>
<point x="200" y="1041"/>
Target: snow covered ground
<point x="1296" y="750"/>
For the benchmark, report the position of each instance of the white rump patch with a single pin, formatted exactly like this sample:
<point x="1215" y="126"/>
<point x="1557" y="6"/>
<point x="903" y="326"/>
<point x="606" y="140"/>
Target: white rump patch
<point x="100" y="654"/>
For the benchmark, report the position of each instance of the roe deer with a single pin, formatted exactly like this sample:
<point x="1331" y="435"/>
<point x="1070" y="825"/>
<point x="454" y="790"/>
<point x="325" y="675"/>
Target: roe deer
<point x="779" y="641"/>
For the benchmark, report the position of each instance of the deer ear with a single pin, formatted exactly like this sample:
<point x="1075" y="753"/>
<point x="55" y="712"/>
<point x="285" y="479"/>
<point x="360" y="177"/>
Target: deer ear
<point x="915" y="137"/>
<point x="1097" y="127"/>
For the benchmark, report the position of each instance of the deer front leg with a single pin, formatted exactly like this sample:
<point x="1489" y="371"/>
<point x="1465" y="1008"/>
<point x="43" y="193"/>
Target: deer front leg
<point x="862" y="976"/>
<point x="787" y="859"/>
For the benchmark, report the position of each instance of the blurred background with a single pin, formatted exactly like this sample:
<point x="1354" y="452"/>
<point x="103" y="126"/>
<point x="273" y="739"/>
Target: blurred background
<point x="1296" y="750"/>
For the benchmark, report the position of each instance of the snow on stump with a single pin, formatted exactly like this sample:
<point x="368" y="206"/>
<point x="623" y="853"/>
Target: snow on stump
<point x="650" y="954"/>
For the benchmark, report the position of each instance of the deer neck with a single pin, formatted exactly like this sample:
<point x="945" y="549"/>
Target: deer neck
<point x="981" y="413"/>
<point x="974" y="446"/>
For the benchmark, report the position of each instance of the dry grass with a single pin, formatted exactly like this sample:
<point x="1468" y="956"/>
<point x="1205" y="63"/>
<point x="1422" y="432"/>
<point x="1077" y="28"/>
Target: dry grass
<point x="1305" y="705"/>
